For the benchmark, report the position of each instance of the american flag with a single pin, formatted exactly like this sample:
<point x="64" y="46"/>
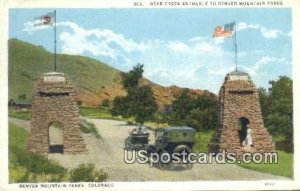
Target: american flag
<point x="224" y="31"/>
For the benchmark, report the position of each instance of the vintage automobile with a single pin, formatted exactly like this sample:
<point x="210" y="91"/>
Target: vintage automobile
<point x="173" y="140"/>
<point x="138" y="139"/>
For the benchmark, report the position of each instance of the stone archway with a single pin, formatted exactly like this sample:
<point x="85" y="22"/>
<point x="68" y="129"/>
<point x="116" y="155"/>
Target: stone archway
<point x="54" y="100"/>
<point x="242" y="128"/>
<point x="56" y="140"/>
<point x="238" y="101"/>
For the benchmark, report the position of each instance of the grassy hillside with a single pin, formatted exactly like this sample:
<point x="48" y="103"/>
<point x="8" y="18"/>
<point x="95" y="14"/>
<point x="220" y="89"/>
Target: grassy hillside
<point x="94" y="81"/>
<point x="27" y="62"/>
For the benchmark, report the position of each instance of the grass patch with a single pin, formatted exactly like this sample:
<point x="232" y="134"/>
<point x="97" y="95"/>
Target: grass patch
<point x="92" y="112"/>
<point x="283" y="168"/>
<point x="25" y="115"/>
<point x="155" y="125"/>
<point x="87" y="127"/>
<point x="97" y="112"/>
<point x="202" y="140"/>
<point x="87" y="173"/>
<point x="282" y="144"/>
<point x="29" y="167"/>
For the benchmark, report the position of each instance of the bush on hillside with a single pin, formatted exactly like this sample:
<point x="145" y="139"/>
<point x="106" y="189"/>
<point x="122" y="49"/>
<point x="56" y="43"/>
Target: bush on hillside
<point x="87" y="173"/>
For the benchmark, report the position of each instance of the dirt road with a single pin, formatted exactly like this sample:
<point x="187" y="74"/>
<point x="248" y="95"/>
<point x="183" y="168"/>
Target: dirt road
<point x="107" y="153"/>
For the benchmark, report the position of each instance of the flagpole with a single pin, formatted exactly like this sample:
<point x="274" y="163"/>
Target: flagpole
<point x="54" y="40"/>
<point x="235" y="47"/>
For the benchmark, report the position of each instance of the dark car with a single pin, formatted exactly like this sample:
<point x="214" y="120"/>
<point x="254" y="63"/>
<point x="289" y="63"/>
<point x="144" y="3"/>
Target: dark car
<point x="173" y="140"/>
<point x="138" y="139"/>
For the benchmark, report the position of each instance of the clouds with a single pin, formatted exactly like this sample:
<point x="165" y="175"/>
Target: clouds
<point x="197" y="62"/>
<point x="30" y="28"/>
<point x="103" y="37"/>
<point x="178" y="46"/>
<point x="182" y="62"/>
<point x="166" y="62"/>
<point x="264" y="61"/>
<point x="266" y="33"/>
<point x="99" y="42"/>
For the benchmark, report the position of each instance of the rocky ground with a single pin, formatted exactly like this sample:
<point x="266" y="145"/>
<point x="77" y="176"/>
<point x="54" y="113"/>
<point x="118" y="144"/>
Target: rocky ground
<point x="107" y="153"/>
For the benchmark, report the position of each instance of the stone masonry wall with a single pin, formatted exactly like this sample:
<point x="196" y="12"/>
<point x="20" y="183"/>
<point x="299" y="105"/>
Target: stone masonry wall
<point x="55" y="101"/>
<point x="237" y="99"/>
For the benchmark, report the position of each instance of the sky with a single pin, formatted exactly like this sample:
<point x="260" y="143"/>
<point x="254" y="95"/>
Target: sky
<point x="175" y="45"/>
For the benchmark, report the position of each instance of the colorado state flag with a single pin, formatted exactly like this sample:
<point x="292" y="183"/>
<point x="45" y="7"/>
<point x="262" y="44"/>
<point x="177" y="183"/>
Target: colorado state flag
<point x="47" y="19"/>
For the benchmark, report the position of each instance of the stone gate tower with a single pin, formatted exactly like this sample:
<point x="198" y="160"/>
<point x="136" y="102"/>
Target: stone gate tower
<point x="54" y="100"/>
<point x="239" y="111"/>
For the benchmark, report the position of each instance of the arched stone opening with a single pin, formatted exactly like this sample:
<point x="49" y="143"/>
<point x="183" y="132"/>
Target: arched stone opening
<point x="238" y="107"/>
<point x="54" y="100"/>
<point x="242" y="128"/>
<point x="56" y="142"/>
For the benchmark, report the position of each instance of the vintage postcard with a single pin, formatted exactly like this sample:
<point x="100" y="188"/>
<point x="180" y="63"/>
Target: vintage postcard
<point x="150" y="95"/>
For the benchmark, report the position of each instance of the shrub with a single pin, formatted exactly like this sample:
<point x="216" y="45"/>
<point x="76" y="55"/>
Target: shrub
<point x="79" y="103"/>
<point x="35" y="163"/>
<point x="84" y="126"/>
<point x="18" y="173"/>
<point x="87" y="127"/>
<point x="22" y="97"/>
<point x="25" y="115"/>
<point x="87" y="173"/>
<point x="105" y="103"/>
<point x="28" y="167"/>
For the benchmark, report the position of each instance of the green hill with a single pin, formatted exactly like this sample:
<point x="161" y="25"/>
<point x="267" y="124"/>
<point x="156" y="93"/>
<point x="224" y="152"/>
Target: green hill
<point x="27" y="62"/>
<point x="94" y="81"/>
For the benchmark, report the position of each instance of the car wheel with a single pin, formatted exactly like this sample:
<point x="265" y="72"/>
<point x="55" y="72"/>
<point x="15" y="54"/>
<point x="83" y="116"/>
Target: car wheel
<point x="127" y="144"/>
<point x="181" y="149"/>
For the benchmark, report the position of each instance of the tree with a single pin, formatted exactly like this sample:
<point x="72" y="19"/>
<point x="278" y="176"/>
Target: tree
<point x="265" y="102"/>
<point x="209" y="111"/>
<point x="280" y="117"/>
<point x="121" y="106"/>
<point x="182" y="105"/>
<point x="203" y="115"/>
<point x="22" y="97"/>
<point x="139" y="101"/>
<point x="198" y="111"/>
<point x="130" y="80"/>
<point x="143" y="104"/>
<point x="277" y="108"/>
